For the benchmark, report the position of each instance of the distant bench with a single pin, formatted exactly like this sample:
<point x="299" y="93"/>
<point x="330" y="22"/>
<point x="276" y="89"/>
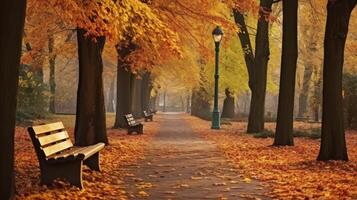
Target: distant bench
<point x="148" y="116"/>
<point x="133" y="125"/>
<point x="58" y="157"/>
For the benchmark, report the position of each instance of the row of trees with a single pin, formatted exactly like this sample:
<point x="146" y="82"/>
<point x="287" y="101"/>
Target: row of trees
<point x="333" y="144"/>
<point x="144" y="37"/>
<point x="133" y="28"/>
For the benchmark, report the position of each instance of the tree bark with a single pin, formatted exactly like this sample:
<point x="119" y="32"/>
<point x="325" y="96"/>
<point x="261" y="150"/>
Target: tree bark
<point x="146" y="91"/>
<point x="200" y="106"/>
<point x="244" y="38"/>
<point x="12" y="15"/>
<point x="188" y="103"/>
<point x="164" y="108"/>
<point x="333" y="143"/>
<point x="284" y="127"/>
<point x="52" y="63"/>
<point x="124" y="96"/>
<point x="136" y="92"/>
<point x="259" y="72"/>
<point x="90" y="118"/>
<point x="304" y="91"/>
<point x="228" y="105"/>
<point x="111" y="99"/>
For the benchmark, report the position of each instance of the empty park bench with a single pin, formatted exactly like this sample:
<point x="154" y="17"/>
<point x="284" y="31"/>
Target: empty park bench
<point x="133" y="125"/>
<point x="58" y="157"/>
<point x="148" y="116"/>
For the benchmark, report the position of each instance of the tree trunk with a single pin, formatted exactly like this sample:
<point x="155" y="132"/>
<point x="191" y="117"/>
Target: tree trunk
<point x="316" y="113"/>
<point x="228" y="105"/>
<point x="12" y="15"/>
<point x="304" y="91"/>
<point x="124" y="96"/>
<point x="188" y="103"/>
<point x="136" y="92"/>
<point x="164" y="108"/>
<point x="259" y="71"/>
<point x="146" y="91"/>
<point x="52" y="63"/>
<point x="284" y="127"/>
<point x="244" y="38"/>
<point x="111" y="100"/>
<point x="90" y="118"/>
<point x="333" y="144"/>
<point x="200" y="106"/>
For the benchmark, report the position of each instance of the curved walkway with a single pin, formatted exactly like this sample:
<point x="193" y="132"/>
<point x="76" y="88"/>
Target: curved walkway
<point x="181" y="165"/>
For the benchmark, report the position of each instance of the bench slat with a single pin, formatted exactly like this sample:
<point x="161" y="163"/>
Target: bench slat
<point x="48" y="128"/>
<point x="75" y="151"/>
<point x="57" y="147"/>
<point x="90" y="150"/>
<point x="48" y="139"/>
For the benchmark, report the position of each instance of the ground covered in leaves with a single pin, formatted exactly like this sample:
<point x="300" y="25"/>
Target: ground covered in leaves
<point x="124" y="150"/>
<point x="291" y="172"/>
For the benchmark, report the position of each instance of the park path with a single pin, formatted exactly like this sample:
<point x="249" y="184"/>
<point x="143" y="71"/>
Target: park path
<point x="181" y="165"/>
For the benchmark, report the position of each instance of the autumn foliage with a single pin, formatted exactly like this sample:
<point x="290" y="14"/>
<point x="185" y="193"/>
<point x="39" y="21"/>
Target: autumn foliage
<point x="291" y="172"/>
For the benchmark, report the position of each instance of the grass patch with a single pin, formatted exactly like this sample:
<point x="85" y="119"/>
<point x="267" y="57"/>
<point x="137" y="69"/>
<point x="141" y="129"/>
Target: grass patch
<point x="265" y="134"/>
<point x="312" y="134"/>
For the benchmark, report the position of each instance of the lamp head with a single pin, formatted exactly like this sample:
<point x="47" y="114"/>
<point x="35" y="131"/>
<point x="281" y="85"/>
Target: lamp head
<point x="217" y="34"/>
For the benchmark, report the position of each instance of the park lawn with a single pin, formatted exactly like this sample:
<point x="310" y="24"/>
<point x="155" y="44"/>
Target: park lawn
<point x="123" y="150"/>
<point x="289" y="172"/>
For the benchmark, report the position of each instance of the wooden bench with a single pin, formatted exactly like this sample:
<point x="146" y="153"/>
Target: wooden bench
<point x="133" y="125"/>
<point x="58" y="157"/>
<point x="148" y="116"/>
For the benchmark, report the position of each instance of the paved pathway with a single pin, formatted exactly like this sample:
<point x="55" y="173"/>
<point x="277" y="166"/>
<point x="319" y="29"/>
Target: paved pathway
<point x="181" y="165"/>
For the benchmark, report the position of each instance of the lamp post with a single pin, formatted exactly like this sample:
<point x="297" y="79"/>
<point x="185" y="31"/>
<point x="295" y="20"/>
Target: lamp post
<point x="217" y="36"/>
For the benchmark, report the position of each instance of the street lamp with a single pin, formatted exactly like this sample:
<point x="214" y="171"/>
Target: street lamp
<point x="217" y="36"/>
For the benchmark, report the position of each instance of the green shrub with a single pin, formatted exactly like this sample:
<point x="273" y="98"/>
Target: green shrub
<point x="313" y="134"/>
<point x="265" y="134"/>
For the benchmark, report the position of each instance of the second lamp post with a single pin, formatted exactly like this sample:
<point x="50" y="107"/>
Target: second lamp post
<point x="217" y="36"/>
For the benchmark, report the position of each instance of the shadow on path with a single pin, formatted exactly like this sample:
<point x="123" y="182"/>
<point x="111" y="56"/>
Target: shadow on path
<point x="181" y="165"/>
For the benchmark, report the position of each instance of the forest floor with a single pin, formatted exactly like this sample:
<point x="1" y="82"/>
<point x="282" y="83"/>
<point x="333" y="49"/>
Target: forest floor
<point x="180" y="157"/>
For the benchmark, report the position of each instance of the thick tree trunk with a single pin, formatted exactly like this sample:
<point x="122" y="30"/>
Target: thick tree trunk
<point x="12" y="15"/>
<point x="333" y="144"/>
<point x="259" y="72"/>
<point x="228" y="105"/>
<point x="136" y="92"/>
<point x="52" y="63"/>
<point x="284" y="127"/>
<point x="111" y="97"/>
<point x="304" y="90"/>
<point x="90" y="118"/>
<point x="124" y="96"/>
<point x="146" y="91"/>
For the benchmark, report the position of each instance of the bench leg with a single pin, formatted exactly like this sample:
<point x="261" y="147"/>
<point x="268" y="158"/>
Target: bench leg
<point x="141" y="129"/>
<point x="93" y="162"/>
<point x="71" y="171"/>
